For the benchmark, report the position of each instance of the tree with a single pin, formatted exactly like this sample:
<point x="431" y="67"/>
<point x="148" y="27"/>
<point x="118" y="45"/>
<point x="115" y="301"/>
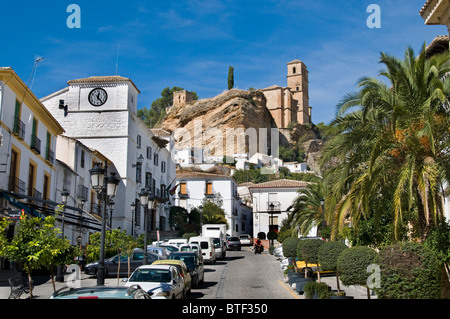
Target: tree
<point x="328" y="255"/>
<point x="392" y="138"/>
<point x="409" y="271"/>
<point x="230" y="78"/>
<point x="307" y="208"/>
<point x="157" y="110"/>
<point x="310" y="252"/>
<point x="36" y="244"/>
<point x="352" y="265"/>
<point x="212" y="213"/>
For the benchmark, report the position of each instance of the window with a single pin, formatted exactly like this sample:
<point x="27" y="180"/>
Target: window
<point x="35" y="141"/>
<point x="148" y="181"/>
<point x="163" y="191"/>
<point x="82" y="159"/>
<point x="163" y="166"/>
<point x="149" y="152"/>
<point x="138" y="141"/>
<point x="209" y="188"/>
<point x="138" y="173"/>
<point x="156" y="159"/>
<point x="294" y="70"/>
<point x="183" y="189"/>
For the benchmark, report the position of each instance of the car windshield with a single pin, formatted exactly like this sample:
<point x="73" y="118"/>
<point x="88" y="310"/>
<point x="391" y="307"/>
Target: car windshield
<point x="151" y="275"/>
<point x="189" y="260"/>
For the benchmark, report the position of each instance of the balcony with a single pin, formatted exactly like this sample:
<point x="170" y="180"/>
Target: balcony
<point x="35" y="144"/>
<point x="50" y="156"/>
<point x="83" y="192"/>
<point x="36" y="196"/>
<point x="16" y="186"/>
<point x="19" y="128"/>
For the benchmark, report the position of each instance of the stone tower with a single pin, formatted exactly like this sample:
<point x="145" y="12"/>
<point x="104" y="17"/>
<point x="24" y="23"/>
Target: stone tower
<point x="297" y="81"/>
<point x="182" y="97"/>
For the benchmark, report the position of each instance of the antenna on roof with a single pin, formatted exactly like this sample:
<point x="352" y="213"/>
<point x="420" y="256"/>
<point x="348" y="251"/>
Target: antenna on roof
<point x="37" y="59"/>
<point x="117" y="60"/>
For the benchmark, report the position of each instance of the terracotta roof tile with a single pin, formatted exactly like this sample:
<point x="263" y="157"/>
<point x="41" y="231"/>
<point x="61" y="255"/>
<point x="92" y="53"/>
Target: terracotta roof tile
<point x="280" y="183"/>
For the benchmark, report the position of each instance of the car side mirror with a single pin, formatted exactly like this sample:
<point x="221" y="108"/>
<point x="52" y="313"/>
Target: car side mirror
<point x="124" y="279"/>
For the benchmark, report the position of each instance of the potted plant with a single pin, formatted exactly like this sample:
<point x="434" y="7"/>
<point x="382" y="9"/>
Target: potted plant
<point x="341" y="295"/>
<point x="317" y="290"/>
<point x="328" y="255"/>
<point x="352" y="265"/>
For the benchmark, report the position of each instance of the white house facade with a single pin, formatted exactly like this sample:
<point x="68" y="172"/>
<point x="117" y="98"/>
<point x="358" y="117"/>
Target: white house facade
<point x="272" y="201"/>
<point x="194" y="187"/>
<point x="101" y="113"/>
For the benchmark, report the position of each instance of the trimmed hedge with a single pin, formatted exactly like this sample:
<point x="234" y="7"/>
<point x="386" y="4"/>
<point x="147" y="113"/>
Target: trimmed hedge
<point x="329" y="253"/>
<point x="310" y="250"/>
<point x="290" y="247"/>
<point x="409" y="271"/>
<point x="352" y="265"/>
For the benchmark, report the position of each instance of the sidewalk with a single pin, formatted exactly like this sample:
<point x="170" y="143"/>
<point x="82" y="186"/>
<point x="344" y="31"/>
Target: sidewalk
<point x="43" y="287"/>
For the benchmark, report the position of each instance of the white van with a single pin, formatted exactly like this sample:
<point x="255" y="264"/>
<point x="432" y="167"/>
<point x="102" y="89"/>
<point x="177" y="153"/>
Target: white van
<point x="178" y="241"/>
<point x="207" y="247"/>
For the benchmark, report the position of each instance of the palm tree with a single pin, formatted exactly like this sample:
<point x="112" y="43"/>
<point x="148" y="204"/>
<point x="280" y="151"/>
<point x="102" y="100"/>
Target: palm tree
<point x="307" y="208"/>
<point x="393" y="137"/>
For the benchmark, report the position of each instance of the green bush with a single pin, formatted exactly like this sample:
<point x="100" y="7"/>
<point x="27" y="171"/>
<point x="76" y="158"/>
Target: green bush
<point x="329" y="253"/>
<point x="409" y="271"/>
<point x="262" y="235"/>
<point x="315" y="289"/>
<point x="352" y="265"/>
<point x="310" y="250"/>
<point x="290" y="247"/>
<point x="272" y="235"/>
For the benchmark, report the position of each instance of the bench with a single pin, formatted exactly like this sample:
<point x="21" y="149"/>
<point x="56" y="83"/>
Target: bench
<point x="19" y="285"/>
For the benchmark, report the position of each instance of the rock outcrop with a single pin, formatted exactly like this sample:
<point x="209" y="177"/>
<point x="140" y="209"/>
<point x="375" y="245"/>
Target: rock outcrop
<point x="234" y="109"/>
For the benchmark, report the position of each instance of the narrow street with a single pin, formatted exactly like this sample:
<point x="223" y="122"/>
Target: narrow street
<point x="244" y="275"/>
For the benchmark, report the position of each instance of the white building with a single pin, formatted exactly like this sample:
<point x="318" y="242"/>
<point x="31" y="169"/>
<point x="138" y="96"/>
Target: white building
<point x="100" y="112"/>
<point x="295" y="167"/>
<point x="279" y="193"/>
<point x="194" y="187"/>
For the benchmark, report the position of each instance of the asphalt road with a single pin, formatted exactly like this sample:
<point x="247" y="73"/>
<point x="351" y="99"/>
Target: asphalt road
<point x="244" y="275"/>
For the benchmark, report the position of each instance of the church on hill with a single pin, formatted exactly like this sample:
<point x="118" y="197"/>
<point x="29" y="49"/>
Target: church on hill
<point x="291" y="103"/>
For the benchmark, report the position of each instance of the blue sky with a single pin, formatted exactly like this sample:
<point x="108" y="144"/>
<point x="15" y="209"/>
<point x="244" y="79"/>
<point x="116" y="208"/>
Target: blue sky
<point x="192" y="43"/>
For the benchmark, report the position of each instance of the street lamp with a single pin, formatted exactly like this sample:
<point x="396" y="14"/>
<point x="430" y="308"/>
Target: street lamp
<point x="322" y="205"/>
<point x="143" y="197"/>
<point x="111" y="209"/>
<point x="105" y="187"/>
<point x="64" y="197"/>
<point x="133" y="213"/>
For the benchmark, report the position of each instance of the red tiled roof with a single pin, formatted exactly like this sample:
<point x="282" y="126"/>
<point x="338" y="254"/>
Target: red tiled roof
<point x="281" y="183"/>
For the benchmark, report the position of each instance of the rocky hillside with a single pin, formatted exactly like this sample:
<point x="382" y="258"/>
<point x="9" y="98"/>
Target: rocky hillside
<point x="235" y="109"/>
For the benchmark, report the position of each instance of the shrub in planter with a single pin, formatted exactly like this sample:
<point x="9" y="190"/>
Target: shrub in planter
<point x="309" y="250"/>
<point x="301" y="282"/>
<point x="352" y="265"/>
<point x="290" y="247"/>
<point x="317" y="290"/>
<point x="271" y="249"/>
<point x="328" y="256"/>
<point x="409" y="271"/>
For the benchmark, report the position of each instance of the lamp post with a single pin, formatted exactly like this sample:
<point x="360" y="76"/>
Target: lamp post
<point x="143" y="197"/>
<point x="133" y="213"/>
<point x="105" y="187"/>
<point x="111" y="209"/>
<point x="64" y="197"/>
<point x="322" y="205"/>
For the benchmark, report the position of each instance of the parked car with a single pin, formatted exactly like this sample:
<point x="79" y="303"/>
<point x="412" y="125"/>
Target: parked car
<point x="159" y="281"/>
<point x="112" y="264"/>
<point x="246" y="239"/>
<point x="190" y="247"/>
<point x="170" y="247"/>
<point x="182" y="269"/>
<point x="162" y="252"/>
<point x="234" y="243"/>
<point x="194" y="264"/>
<point x="132" y="292"/>
<point x="178" y="241"/>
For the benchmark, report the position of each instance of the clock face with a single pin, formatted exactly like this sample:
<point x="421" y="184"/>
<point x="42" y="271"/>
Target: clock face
<point x="98" y="97"/>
